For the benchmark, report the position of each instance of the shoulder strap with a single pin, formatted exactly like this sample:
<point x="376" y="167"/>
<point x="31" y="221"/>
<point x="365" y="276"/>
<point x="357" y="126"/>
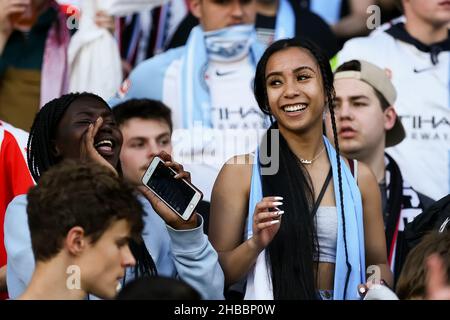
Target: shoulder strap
<point x="351" y="164"/>
<point x="322" y="192"/>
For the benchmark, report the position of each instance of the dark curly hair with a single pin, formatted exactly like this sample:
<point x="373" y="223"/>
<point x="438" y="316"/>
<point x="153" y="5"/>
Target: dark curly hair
<point x="78" y="194"/>
<point x="40" y="158"/>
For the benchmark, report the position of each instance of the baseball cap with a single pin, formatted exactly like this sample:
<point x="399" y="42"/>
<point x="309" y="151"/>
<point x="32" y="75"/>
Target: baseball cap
<point x="377" y="79"/>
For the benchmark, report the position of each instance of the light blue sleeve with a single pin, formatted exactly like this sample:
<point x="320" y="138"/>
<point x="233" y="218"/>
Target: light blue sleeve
<point x="147" y="79"/>
<point x="20" y="265"/>
<point x="157" y="240"/>
<point x="197" y="262"/>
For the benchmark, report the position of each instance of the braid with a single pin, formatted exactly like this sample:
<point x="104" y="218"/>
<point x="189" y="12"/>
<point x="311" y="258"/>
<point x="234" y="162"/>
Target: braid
<point x="330" y="93"/>
<point x="261" y="98"/>
<point x="39" y="153"/>
<point x="341" y="197"/>
<point x="145" y="266"/>
<point x="39" y="146"/>
<point x="330" y="98"/>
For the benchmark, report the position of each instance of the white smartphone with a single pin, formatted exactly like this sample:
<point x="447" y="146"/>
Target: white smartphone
<point x="178" y="194"/>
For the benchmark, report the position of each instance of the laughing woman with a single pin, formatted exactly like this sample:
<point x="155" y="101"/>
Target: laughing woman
<point x="82" y="126"/>
<point x="74" y="126"/>
<point x="311" y="228"/>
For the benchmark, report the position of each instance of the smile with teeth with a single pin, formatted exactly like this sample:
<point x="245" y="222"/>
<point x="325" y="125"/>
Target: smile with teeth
<point x="104" y="145"/>
<point x="295" y="108"/>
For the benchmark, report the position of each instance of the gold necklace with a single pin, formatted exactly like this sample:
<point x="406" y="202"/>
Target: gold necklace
<point x="305" y="161"/>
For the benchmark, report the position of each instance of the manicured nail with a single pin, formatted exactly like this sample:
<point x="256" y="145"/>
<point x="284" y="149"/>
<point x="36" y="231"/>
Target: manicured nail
<point x="274" y="221"/>
<point x="278" y="198"/>
<point x="277" y="203"/>
<point x="279" y="213"/>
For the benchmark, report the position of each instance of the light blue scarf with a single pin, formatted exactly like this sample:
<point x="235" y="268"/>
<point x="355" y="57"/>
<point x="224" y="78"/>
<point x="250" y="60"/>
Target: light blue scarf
<point x="195" y="98"/>
<point x="353" y="224"/>
<point x="285" y="23"/>
<point x="329" y="10"/>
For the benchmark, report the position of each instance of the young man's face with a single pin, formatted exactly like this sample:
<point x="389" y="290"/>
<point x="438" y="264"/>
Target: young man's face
<point x="361" y="122"/>
<point x="434" y="12"/>
<point x="103" y="263"/>
<point x="218" y="14"/>
<point x="142" y="140"/>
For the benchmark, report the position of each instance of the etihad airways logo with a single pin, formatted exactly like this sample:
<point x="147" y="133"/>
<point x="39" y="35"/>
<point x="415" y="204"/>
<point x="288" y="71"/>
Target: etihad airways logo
<point x="420" y="127"/>
<point x="424" y="122"/>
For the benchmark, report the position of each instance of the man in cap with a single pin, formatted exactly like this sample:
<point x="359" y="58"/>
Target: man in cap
<point x="367" y="124"/>
<point x="416" y="48"/>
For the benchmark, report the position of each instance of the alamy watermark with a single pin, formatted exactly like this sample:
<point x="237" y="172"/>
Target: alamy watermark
<point x="212" y="147"/>
<point x="73" y="19"/>
<point x="374" y="273"/>
<point x="374" y="19"/>
<point x="73" y="281"/>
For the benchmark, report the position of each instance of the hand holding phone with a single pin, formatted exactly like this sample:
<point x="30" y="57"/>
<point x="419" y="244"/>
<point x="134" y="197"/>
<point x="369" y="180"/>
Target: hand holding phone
<point x="168" y="188"/>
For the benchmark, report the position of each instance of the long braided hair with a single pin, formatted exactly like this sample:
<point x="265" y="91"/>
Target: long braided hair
<point x="291" y="252"/>
<point x="40" y="158"/>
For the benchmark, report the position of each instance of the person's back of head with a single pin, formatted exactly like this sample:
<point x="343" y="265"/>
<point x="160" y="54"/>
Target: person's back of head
<point x="85" y="202"/>
<point x="157" y="288"/>
<point x="411" y="283"/>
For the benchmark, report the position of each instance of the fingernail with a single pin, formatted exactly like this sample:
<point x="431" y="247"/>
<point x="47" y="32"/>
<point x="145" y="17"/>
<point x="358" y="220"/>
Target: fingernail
<point x="274" y="221"/>
<point x="277" y="203"/>
<point x="279" y="213"/>
<point x="278" y="198"/>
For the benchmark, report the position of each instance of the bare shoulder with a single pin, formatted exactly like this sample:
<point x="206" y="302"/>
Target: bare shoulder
<point x="239" y="165"/>
<point x="235" y="172"/>
<point x="365" y="175"/>
<point x="229" y="203"/>
<point x="367" y="183"/>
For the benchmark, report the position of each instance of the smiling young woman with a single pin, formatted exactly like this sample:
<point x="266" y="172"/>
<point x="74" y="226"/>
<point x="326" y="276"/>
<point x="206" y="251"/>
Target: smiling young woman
<point x="309" y="230"/>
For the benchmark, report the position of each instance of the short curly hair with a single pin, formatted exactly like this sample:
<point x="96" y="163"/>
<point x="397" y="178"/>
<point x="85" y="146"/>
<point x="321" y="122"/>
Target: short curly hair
<point x="78" y="194"/>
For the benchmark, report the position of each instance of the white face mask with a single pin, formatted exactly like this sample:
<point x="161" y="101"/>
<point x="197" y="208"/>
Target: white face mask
<point x="229" y="44"/>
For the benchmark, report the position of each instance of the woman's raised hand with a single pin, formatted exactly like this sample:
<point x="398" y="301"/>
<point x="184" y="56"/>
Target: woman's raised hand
<point x="266" y="221"/>
<point x="87" y="149"/>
